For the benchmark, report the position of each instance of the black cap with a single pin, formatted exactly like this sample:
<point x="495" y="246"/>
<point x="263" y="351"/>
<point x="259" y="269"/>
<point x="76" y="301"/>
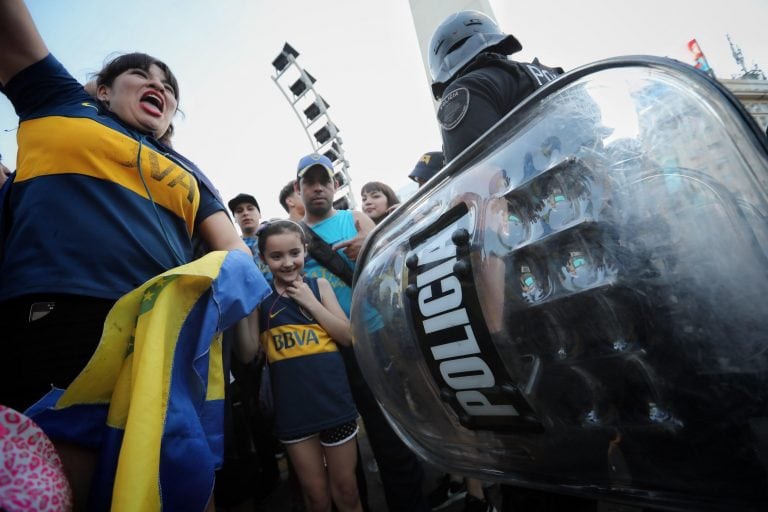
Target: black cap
<point x="427" y="166"/>
<point x="242" y="198"/>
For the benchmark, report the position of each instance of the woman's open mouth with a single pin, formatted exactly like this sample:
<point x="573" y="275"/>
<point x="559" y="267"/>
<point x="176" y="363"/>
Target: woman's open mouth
<point x="153" y="103"/>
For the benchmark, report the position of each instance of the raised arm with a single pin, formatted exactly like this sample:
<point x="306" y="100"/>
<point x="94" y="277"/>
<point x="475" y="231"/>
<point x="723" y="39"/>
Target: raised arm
<point x="327" y="311"/>
<point x="20" y="42"/>
<point x="363" y="225"/>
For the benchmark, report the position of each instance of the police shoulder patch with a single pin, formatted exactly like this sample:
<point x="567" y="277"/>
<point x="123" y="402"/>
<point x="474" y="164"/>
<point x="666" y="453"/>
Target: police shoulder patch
<point x="453" y="108"/>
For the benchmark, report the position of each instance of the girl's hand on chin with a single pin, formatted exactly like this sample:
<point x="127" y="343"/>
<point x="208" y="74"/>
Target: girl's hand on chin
<point x="300" y="292"/>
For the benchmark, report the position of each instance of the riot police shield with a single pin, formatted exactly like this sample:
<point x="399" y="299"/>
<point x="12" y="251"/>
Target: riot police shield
<point x="575" y="303"/>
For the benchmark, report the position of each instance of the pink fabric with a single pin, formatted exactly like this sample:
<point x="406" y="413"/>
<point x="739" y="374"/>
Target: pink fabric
<point x="31" y="475"/>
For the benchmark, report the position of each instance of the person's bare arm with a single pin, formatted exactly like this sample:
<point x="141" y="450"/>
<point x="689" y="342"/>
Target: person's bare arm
<point x="20" y="42"/>
<point x="326" y="311"/>
<point x="247" y="334"/>
<point x="363" y="225"/>
<point x="220" y="234"/>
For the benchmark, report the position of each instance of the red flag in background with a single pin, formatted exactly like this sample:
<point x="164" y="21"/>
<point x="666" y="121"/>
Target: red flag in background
<point x="699" y="58"/>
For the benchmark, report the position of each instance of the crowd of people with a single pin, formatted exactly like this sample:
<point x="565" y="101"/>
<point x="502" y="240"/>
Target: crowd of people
<point x="306" y="272"/>
<point x="143" y="208"/>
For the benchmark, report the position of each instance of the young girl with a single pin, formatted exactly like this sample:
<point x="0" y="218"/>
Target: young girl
<point x="299" y="326"/>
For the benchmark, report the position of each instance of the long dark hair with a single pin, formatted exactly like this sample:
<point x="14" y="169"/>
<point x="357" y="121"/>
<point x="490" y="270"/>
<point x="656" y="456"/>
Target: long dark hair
<point x="136" y="60"/>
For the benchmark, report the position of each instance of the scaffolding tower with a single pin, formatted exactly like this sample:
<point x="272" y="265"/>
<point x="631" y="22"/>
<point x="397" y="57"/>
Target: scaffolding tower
<point x="297" y="86"/>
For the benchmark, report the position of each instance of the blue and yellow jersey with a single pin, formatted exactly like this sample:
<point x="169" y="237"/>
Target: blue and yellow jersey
<point x="309" y="380"/>
<point x="96" y="208"/>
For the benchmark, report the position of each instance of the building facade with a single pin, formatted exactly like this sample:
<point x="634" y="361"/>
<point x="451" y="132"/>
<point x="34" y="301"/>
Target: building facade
<point x="753" y="94"/>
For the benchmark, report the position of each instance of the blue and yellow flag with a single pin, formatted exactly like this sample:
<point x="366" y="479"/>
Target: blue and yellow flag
<point x="151" y="398"/>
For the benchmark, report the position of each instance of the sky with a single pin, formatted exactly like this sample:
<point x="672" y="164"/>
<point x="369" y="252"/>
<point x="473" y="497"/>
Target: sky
<point x="237" y="126"/>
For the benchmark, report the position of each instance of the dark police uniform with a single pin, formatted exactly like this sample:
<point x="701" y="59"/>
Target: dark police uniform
<point x="488" y="88"/>
<point x="484" y="92"/>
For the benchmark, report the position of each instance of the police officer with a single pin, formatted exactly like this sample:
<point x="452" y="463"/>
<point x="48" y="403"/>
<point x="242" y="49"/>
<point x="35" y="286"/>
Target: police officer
<point x="428" y="165"/>
<point x="478" y="84"/>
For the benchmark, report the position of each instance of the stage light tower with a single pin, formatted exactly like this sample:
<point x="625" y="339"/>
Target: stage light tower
<point x="297" y="85"/>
